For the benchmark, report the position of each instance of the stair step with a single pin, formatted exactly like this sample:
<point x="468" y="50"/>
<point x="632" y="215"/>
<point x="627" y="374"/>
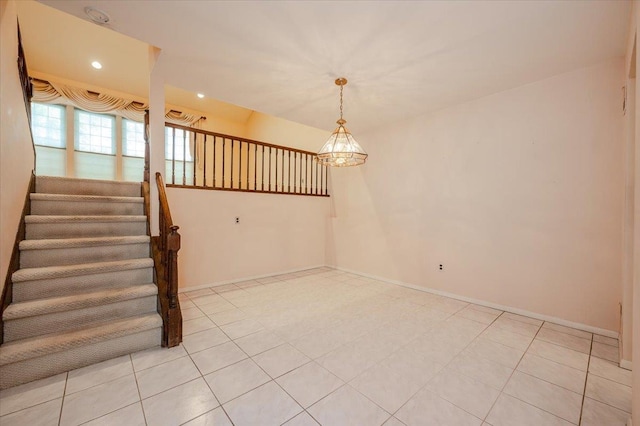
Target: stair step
<point x="44" y="226"/>
<point x="52" y="272"/>
<point x="65" y="204"/>
<point x="71" y="251"/>
<point x="129" y="274"/>
<point x="43" y="316"/>
<point x="26" y="360"/>
<point x="62" y="185"/>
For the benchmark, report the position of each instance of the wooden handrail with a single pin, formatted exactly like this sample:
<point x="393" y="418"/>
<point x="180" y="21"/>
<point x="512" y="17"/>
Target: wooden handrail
<point x="146" y="147"/>
<point x="202" y="159"/>
<point x="165" y="249"/>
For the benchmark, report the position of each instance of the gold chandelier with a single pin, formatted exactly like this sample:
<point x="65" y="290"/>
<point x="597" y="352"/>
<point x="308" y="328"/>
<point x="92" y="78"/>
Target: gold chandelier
<point x="341" y="150"/>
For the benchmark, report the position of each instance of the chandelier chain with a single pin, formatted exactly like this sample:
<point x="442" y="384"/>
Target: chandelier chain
<point x="341" y="87"/>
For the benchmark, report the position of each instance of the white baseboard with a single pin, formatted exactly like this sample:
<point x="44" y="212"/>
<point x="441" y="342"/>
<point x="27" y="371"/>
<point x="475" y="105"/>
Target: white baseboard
<point x="239" y="280"/>
<point x="626" y="364"/>
<point x="555" y="320"/>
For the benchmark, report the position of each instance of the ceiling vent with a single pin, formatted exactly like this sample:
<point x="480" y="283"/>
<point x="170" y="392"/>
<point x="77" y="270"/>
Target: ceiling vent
<point x="97" y="15"/>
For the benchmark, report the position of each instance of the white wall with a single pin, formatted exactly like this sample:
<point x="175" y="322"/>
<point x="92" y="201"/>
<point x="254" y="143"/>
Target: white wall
<point x="519" y="195"/>
<point x="16" y="152"/>
<point x="276" y="233"/>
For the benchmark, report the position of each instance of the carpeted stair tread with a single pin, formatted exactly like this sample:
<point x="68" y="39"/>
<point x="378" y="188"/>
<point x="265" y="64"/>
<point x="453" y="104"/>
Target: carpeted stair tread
<point x="20" y="350"/>
<point x="80" y="218"/>
<point x="56" y="243"/>
<point x="86" y="198"/>
<point x="51" y="272"/>
<point x="64" y="185"/>
<point x="78" y="301"/>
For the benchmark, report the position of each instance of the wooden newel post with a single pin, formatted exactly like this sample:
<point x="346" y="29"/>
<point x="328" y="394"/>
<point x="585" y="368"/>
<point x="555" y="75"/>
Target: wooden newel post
<point x="173" y="245"/>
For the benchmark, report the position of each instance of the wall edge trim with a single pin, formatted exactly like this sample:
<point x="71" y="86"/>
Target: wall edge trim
<point x="549" y="318"/>
<point x="254" y="277"/>
<point x="626" y="364"/>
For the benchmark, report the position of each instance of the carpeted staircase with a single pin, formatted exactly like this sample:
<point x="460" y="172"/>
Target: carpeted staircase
<point x="84" y="292"/>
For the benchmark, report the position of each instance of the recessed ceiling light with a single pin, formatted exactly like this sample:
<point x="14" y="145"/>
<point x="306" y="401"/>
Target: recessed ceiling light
<point x="96" y="15"/>
<point x="200" y="95"/>
<point x="97" y="65"/>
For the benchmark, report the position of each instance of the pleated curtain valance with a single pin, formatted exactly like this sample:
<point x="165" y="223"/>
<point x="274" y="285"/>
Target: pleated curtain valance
<point x="49" y="92"/>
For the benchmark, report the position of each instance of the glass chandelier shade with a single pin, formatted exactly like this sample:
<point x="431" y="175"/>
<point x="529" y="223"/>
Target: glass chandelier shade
<point x="341" y="150"/>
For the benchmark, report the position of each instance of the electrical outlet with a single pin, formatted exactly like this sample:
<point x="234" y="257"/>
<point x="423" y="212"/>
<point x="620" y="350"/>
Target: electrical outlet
<point x="237" y="220"/>
<point x="441" y="266"/>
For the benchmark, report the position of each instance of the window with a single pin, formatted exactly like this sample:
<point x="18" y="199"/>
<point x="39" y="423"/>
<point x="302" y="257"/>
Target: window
<point x="95" y="132"/>
<point x="132" y="138"/>
<point x="182" y="144"/>
<point x="48" y="125"/>
<point x="93" y="148"/>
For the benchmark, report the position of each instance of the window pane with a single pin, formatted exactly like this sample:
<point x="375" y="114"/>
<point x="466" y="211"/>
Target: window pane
<point x="95" y="166"/>
<point x="132" y="138"/>
<point x="47" y="125"/>
<point x="51" y="161"/>
<point x="183" y="144"/>
<point x="95" y="132"/>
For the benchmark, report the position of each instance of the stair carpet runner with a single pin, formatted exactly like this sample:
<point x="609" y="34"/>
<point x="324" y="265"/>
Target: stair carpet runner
<point x="84" y="292"/>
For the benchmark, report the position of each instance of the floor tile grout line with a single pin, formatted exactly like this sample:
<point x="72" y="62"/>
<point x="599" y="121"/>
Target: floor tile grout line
<point x="135" y="376"/>
<point x="586" y="380"/>
<point x="512" y="372"/>
<point x="64" y="392"/>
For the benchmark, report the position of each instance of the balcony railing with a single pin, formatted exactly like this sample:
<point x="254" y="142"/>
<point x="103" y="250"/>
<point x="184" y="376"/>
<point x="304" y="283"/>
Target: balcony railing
<point x="206" y="160"/>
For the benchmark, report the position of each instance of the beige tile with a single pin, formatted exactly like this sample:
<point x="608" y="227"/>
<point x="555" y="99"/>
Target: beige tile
<point x="217" y="306"/>
<point x="482" y="369"/>
<point x="131" y="415"/>
<point x="393" y="422"/>
<point x="204" y="340"/>
<point x="496" y="352"/>
<point x="595" y="413"/>
<point x="486" y="309"/>
<point x="609" y="392"/>
<point x="302" y="419"/>
<point x="347" y="407"/>
<point x="478" y="315"/>
<point x="259" y="342"/>
<point x="393" y="381"/>
<point x="212" y="359"/>
<point x="99" y="400"/>
<point x="522" y="318"/>
<point x="609" y="370"/>
<point x="509" y="411"/>
<point x="235" y="380"/>
<point x="180" y="404"/>
<point x="507" y="338"/>
<point x="227" y="317"/>
<point x="471" y="395"/>
<point x="30" y="394"/>
<point x="155" y="356"/>
<point x="96" y="374"/>
<point x="559" y="354"/>
<point x="606" y="340"/>
<point x="191" y="313"/>
<point x="165" y="376"/>
<point x="604" y="351"/>
<point x="519" y="327"/>
<point x="322" y="342"/>
<point x="196" y="325"/>
<point x="216" y="417"/>
<point x="280" y="360"/>
<point x="427" y="408"/>
<point x="44" y="414"/>
<point x="266" y="405"/>
<point x="309" y="383"/>
<point x="546" y="396"/>
<point x="553" y="372"/>
<point x="198" y="293"/>
<point x="568" y="341"/>
<point x="568" y="330"/>
<point x="241" y="328"/>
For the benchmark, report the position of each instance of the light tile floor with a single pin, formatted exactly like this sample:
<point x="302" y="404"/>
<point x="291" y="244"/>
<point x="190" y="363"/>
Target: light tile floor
<point x="327" y="347"/>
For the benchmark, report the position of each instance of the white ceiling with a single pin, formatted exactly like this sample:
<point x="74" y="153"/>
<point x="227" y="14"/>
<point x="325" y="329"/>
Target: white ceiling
<point x="402" y="59"/>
